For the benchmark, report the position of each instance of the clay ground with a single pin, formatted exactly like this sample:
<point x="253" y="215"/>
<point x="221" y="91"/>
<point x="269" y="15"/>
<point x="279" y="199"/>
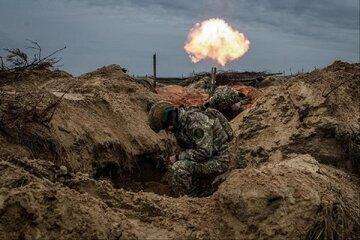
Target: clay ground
<point x="97" y="171"/>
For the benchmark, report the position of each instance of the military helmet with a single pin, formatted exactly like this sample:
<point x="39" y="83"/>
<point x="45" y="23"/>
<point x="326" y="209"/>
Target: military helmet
<point x="158" y="115"/>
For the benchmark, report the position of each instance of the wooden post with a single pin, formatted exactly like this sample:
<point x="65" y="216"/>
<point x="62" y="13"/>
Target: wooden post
<point x="154" y="68"/>
<point x="213" y="80"/>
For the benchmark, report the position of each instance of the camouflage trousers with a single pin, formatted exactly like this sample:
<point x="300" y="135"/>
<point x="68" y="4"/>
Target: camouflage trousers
<point x="184" y="171"/>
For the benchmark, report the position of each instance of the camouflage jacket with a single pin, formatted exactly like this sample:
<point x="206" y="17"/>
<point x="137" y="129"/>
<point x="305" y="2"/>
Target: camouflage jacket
<point x="201" y="137"/>
<point x="224" y="97"/>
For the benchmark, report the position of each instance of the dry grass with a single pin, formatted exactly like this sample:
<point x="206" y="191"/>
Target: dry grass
<point x="337" y="220"/>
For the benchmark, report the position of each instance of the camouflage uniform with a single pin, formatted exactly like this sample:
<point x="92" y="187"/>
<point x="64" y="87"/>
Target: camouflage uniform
<point x="207" y="149"/>
<point x="224" y="98"/>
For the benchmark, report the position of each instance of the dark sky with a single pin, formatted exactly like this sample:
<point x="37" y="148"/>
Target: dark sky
<point x="284" y="34"/>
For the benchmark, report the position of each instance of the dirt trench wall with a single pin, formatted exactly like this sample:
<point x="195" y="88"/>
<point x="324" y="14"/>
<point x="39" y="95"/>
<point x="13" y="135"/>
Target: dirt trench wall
<point x="108" y="126"/>
<point x="294" y="199"/>
<point x="101" y="121"/>
<point x="300" y="116"/>
<point x="35" y="208"/>
<point x="287" y="200"/>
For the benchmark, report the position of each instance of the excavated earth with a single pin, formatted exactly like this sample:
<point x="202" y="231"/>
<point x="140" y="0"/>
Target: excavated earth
<point x="97" y="170"/>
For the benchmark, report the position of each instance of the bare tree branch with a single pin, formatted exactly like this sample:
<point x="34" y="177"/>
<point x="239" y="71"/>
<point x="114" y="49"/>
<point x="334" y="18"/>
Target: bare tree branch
<point x="17" y="61"/>
<point x="335" y="88"/>
<point x="52" y="54"/>
<point x="36" y="48"/>
<point x="2" y="63"/>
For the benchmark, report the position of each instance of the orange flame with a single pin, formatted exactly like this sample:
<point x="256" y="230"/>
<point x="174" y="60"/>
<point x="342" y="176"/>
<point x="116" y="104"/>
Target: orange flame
<point x="217" y="40"/>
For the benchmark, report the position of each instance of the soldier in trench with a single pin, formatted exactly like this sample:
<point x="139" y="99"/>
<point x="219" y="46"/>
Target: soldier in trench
<point x="204" y="137"/>
<point x="226" y="100"/>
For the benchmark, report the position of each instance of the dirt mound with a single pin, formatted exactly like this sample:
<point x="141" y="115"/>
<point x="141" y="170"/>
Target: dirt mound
<point x="100" y="123"/>
<point x="194" y="95"/>
<point x="287" y="200"/>
<point x="294" y="199"/>
<point x="316" y="113"/>
<point x="228" y="78"/>
<point x="69" y="178"/>
<point x="251" y="92"/>
<point x="35" y="208"/>
<point x="182" y="96"/>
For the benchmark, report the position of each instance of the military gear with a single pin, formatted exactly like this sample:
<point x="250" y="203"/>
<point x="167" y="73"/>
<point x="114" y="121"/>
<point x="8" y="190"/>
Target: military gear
<point x="192" y="122"/>
<point x="203" y="83"/>
<point x="206" y="147"/>
<point x="215" y="114"/>
<point x="158" y="115"/>
<point x="223" y="99"/>
<point x="185" y="171"/>
<point x="225" y="96"/>
<point x="199" y="133"/>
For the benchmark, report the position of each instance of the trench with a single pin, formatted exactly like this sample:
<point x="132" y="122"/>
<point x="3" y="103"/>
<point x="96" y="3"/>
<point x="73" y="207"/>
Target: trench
<point x="148" y="174"/>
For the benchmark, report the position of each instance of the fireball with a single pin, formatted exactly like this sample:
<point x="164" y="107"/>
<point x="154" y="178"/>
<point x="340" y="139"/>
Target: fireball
<point x="217" y="40"/>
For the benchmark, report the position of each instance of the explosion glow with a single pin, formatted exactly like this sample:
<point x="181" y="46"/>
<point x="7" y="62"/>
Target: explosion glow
<point x="217" y="40"/>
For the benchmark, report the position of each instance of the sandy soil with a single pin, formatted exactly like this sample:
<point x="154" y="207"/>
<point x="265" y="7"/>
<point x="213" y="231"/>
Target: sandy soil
<point x="92" y="172"/>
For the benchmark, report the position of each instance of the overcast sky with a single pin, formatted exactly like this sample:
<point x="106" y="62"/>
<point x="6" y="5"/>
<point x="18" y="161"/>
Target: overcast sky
<point x="284" y="34"/>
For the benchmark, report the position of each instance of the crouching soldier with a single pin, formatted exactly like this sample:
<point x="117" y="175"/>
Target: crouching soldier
<point x="226" y="100"/>
<point x="203" y="137"/>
